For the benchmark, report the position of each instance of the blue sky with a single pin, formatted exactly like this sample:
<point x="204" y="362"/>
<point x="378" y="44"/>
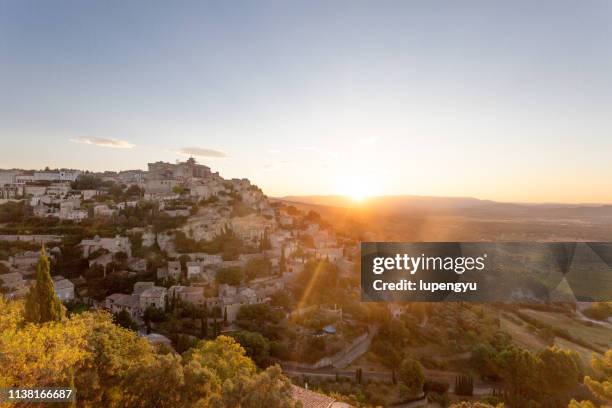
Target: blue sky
<point x="509" y="101"/>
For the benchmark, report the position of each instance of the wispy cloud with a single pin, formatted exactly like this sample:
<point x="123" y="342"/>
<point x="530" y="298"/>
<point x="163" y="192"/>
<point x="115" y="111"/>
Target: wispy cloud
<point x="202" y="152"/>
<point x="273" y="151"/>
<point x="104" y="142"/>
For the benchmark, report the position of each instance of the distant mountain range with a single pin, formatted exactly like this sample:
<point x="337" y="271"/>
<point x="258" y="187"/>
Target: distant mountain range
<point x="458" y="206"/>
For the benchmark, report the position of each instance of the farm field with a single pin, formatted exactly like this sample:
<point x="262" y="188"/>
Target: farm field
<point x="597" y="336"/>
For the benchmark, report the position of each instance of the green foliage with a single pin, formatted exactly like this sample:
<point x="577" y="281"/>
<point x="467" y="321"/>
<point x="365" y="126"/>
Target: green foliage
<point x="318" y="283"/>
<point x="259" y="313"/>
<point x="264" y="242"/>
<point x="261" y="318"/>
<point x="411" y="376"/>
<point x="282" y="263"/>
<point x="184" y="342"/>
<point x="124" y="320"/>
<point x="256" y="346"/>
<point x="559" y="370"/>
<point x="281" y="299"/>
<point x="227" y="243"/>
<point x="230" y="276"/>
<point x="581" y="404"/>
<point x="599" y="311"/>
<point x="13" y="211"/>
<point x="440" y="387"/>
<point x="258" y="268"/>
<point x="42" y="304"/>
<point x="112" y="367"/>
<point x="87" y="182"/>
<point x="241" y="209"/>
<point x="153" y="314"/>
<point x="178" y="190"/>
<point x="601" y="384"/>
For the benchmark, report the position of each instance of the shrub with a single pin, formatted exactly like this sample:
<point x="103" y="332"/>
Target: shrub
<point x="435" y="386"/>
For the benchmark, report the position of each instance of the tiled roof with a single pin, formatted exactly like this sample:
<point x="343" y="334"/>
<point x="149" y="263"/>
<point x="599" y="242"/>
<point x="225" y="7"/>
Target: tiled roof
<point x="310" y="399"/>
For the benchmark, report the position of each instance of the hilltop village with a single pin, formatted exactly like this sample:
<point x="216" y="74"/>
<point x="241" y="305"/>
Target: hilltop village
<point x="196" y="236"/>
<point x="161" y="248"/>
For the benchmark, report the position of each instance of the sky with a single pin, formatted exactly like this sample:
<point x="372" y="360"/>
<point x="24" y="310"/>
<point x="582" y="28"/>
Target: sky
<point x="510" y="101"/>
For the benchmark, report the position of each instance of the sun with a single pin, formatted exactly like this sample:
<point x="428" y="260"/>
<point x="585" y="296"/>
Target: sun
<point x="358" y="195"/>
<point x="356" y="189"/>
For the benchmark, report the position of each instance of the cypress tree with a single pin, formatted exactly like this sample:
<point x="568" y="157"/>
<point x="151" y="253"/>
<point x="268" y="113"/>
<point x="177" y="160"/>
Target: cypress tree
<point x="42" y="304"/>
<point x="204" y="321"/>
<point x="282" y="262"/>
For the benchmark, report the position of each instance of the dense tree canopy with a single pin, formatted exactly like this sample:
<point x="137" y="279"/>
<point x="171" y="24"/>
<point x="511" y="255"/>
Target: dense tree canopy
<point x="113" y="367"/>
<point x="601" y="384"/>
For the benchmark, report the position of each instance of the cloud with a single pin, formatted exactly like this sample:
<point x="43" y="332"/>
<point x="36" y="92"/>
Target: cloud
<point x="274" y="151"/>
<point x="202" y="152"/>
<point x="104" y="142"/>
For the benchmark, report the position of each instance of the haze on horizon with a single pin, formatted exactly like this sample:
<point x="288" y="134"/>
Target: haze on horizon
<point x="508" y="102"/>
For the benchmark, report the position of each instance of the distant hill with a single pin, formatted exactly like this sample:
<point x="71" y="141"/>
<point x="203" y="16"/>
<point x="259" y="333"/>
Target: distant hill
<point x="419" y="218"/>
<point x="466" y="206"/>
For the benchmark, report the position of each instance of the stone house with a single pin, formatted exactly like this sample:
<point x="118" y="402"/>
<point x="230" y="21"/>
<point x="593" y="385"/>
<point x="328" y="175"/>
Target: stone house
<point x="63" y="288"/>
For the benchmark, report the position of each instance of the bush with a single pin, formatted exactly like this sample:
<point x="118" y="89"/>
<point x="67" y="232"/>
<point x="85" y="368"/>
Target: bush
<point x="435" y="386"/>
<point x="599" y="311"/>
<point x="411" y="376"/>
<point x="230" y="276"/>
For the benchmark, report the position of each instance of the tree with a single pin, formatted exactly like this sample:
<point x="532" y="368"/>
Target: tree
<point x="42" y="304"/>
<point x="13" y="211"/>
<point x="256" y="346"/>
<point x="582" y="404"/>
<point x="264" y="242"/>
<point x="230" y="276"/>
<point x="37" y="355"/>
<point x="601" y="385"/>
<point x="224" y="356"/>
<point x="203" y="321"/>
<point x="282" y="263"/>
<point x="257" y="268"/>
<point x="216" y="330"/>
<point x="559" y="370"/>
<point x="259" y="314"/>
<point x="411" y="376"/>
<point x="86" y="182"/>
<point x="124" y="319"/>
<point x="518" y="369"/>
<point x="110" y="366"/>
<point x="318" y="283"/>
<point x="270" y="389"/>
